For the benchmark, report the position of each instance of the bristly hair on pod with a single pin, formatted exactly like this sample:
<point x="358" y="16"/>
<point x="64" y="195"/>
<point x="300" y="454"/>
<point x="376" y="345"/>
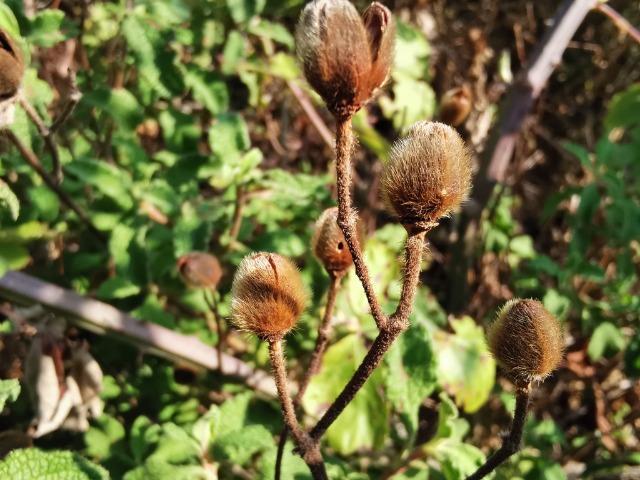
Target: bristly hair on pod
<point x="526" y="340"/>
<point x="427" y="176"/>
<point x="329" y="245"/>
<point x="346" y="58"/>
<point x="267" y="295"/>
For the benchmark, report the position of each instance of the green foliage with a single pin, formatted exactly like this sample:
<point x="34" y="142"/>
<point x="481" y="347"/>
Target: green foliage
<point x="35" y="463"/>
<point x="9" y="391"/>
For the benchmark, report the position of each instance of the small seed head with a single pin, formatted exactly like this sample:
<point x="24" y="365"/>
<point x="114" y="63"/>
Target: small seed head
<point x="199" y="270"/>
<point x="526" y="340"/>
<point x="455" y="106"/>
<point x="267" y="295"/>
<point x="345" y="58"/>
<point x="329" y="245"/>
<point x="427" y="176"/>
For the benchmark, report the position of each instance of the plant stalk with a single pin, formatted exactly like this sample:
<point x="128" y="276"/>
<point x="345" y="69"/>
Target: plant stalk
<point x="513" y="442"/>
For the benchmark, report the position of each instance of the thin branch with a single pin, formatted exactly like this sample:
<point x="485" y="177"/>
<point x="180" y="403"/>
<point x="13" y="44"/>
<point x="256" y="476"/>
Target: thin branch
<point x="621" y="23"/>
<point x="324" y="330"/>
<point x="309" y="450"/>
<point x="212" y="303"/>
<point x="237" y="215"/>
<point x="72" y="100"/>
<point x="104" y="319"/>
<point x="347" y="219"/>
<point x="415" y="249"/>
<point x="513" y="442"/>
<point x="32" y="160"/>
<point x="311" y="112"/>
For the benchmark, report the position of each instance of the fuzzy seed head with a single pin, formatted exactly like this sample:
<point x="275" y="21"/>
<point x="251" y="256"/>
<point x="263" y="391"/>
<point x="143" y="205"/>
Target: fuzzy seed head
<point x="455" y="106"/>
<point x="11" y="66"/>
<point x="345" y="58"/>
<point x="526" y="340"/>
<point x="199" y="270"/>
<point x="427" y="176"/>
<point x="267" y="295"/>
<point x="329" y="245"/>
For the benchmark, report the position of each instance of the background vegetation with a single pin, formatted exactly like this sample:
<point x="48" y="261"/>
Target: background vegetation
<point x="192" y="134"/>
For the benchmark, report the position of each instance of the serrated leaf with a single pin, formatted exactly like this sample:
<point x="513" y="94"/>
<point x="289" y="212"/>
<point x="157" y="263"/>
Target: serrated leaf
<point x="466" y="370"/>
<point x="46" y="28"/>
<point x="209" y="89"/>
<point x="363" y="424"/>
<point x="9" y="391"/>
<point x="411" y="373"/>
<point x="623" y="109"/>
<point x="109" y="180"/>
<point x="9" y="201"/>
<point x="229" y="137"/>
<point x="233" y="413"/>
<point x="239" y="446"/>
<point x="100" y="439"/>
<point x="53" y="465"/>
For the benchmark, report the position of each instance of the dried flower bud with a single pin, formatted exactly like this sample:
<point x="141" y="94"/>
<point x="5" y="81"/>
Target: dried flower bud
<point x="267" y="295"/>
<point x="455" y="106"/>
<point x="427" y="176"/>
<point x="200" y="270"/>
<point x="345" y="58"/>
<point x="329" y="245"/>
<point x="11" y="66"/>
<point x="526" y="340"/>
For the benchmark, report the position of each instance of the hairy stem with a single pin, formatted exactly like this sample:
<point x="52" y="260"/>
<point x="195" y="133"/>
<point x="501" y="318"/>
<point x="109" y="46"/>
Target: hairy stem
<point x="513" y="442"/>
<point x="414" y="248"/>
<point x="324" y="331"/>
<point x="309" y="450"/>
<point x="346" y="217"/>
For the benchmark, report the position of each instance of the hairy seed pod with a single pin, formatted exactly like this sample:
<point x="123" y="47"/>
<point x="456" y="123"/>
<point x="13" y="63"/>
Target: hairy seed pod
<point x="526" y="340"/>
<point x="329" y="245"/>
<point x="345" y="58"/>
<point x="455" y="106"/>
<point x="11" y="66"/>
<point x="427" y="176"/>
<point x="200" y="270"/>
<point x="267" y="295"/>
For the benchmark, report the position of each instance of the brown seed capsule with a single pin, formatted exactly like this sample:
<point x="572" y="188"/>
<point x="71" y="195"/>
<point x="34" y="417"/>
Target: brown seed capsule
<point x="428" y="175"/>
<point x="329" y="245"/>
<point x="345" y="58"/>
<point x="11" y="66"/>
<point x="455" y="106"/>
<point x="526" y="340"/>
<point x="200" y="270"/>
<point x="267" y="295"/>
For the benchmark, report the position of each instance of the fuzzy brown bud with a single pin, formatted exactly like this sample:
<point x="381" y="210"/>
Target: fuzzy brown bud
<point x="345" y="58"/>
<point x="427" y="176"/>
<point x="11" y="66"/>
<point x="200" y="270"/>
<point x="455" y="106"/>
<point x="329" y="245"/>
<point x="526" y="340"/>
<point x="267" y="295"/>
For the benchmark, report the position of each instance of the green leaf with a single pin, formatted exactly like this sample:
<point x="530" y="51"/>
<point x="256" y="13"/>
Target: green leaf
<point x="466" y="369"/>
<point x="120" y="104"/>
<point x="363" y="424"/>
<point x="206" y="427"/>
<point x="411" y="373"/>
<point x="9" y="201"/>
<point x="243" y="10"/>
<point x="118" y="287"/>
<point x="100" y="439"/>
<point x="233" y="414"/>
<point x="111" y="181"/>
<point x="581" y="153"/>
<point x="34" y="463"/>
<point x="623" y="109"/>
<point x="292" y="465"/>
<point x="606" y="340"/>
<point x="234" y="52"/>
<point x="8" y="21"/>
<point x="9" y="391"/>
<point x="229" y="137"/>
<point x="209" y="89"/>
<point x="14" y="257"/>
<point x="239" y="446"/>
<point x="46" y="28"/>
<point x="411" y="53"/>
